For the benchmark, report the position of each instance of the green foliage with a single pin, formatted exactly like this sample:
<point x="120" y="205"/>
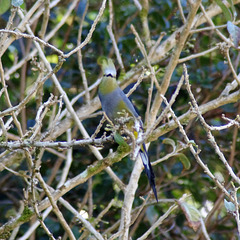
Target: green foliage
<point x="229" y="206"/>
<point x="225" y="10"/>
<point x="5" y="4"/>
<point x="234" y="32"/>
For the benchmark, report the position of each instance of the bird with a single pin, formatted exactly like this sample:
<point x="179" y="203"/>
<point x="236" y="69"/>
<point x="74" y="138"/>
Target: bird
<point x="116" y="104"/>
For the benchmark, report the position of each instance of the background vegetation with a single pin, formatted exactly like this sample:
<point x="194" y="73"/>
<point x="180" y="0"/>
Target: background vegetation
<point x="62" y="174"/>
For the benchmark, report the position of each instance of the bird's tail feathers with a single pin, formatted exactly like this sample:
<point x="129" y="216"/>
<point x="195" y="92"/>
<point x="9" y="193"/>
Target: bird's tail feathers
<point x="148" y="169"/>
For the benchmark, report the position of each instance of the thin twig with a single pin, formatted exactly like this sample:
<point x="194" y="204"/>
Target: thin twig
<point x="79" y="54"/>
<point x="207" y="128"/>
<point x="231" y="67"/>
<point x="92" y="29"/>
<point x="181" y="11"/>
<point x="181" y="39"/>
<point x="55" y="207"/>
<point x="196" y="153"/>
<point x="111" y="34"/>
<point x="209" y="20"/>
<point x="193" y="56"/>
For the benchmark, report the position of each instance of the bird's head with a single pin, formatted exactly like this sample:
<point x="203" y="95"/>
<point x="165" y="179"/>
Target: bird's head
<point x="107" y="66"/>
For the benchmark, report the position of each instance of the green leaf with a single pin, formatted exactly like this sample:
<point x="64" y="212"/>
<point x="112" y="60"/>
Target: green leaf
<point x="225" y="10"/>
<point x="234" y="32"/>
<point x="184" y="160"/>
<point x="229" y="206"/>
<point x="233" y="9"/>
<point x="192" y="214"/>
<point x="169" y="141"/>
<point x="52" y="58"/>
<point x="17" y="3"/>
<point x="5" y="5"/>
<point x="119" y="139"/>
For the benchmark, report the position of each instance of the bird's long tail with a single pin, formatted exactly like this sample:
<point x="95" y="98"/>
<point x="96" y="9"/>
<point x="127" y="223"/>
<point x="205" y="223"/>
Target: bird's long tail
<point x="148" y="169"/>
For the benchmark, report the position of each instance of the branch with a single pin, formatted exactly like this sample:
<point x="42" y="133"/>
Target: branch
<point x="189" y="115"/>
<point x="181" y="37"/>
<point x="91" y="170"/>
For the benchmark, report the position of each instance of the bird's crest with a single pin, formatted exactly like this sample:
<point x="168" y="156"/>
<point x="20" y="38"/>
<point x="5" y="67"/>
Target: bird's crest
<point x="107" y="66"/>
